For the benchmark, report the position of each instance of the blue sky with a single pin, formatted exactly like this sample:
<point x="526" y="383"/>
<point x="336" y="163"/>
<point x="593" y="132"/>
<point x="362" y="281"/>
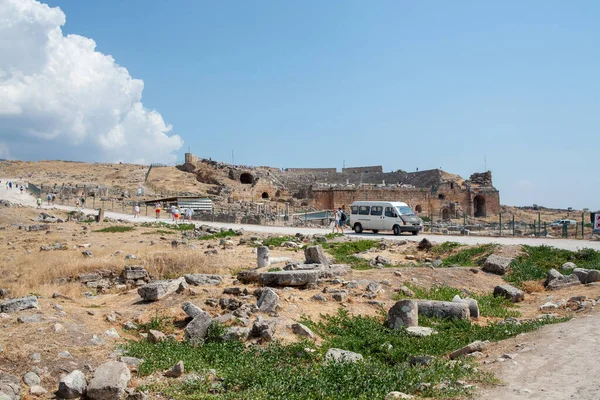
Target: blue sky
<point x="403" y="84"/>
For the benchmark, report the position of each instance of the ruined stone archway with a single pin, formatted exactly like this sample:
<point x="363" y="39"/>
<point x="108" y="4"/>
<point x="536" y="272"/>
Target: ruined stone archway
<point x="265" y="196"/>
<point x="246" y="179"/>
<point x="445" y="214"/>
<point x="419" y="208"/>
<point x="479" y="209"/>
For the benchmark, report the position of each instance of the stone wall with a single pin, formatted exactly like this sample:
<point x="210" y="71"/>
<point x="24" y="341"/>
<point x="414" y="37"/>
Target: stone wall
<point x="355" y="170"/>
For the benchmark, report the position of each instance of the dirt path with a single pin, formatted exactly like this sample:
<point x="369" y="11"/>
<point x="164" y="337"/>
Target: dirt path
<point x="554" y="363"/>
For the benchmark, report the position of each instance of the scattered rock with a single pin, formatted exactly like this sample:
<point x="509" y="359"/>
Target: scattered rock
<point x="562" y="281"/>
<point x="15" y="305"/>
<point x="403" y="313"/>
<point x="155" y="336"/>
<point x="191" y="310"/>
<point x="263" y="329"/>
<point x="315" y="255"/>
<point x="443" y="309"/>
<point x="472" y="303"/>
<point x="510" y="292"/>
<point x="157" y="290"/>
<point x="568" y="266"/>
<point x="87" y="253"/>
<point x="247" y="277"/>
<point x="268" y="301"/>
<point x="341" y="356"/>
<point x="470" y="348"/>
<point x="420" y="331"/>
<point x="177" y="370"/>
<point x="109" y="382"/>
<point x="289" y="278"/>
<point x="302" y="330"/>
<point x="497" y="264"/>
<point x="31" y="379"/>
<point x="398" y="395"/>
<point x="197" y="329"/>
<point x="134" y="272"/>
<point x="72" y="386"/>
<point x="203" y="279"/>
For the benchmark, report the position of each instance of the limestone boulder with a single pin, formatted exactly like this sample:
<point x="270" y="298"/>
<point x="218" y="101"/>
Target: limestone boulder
<point x="289" y="278"/>
<point x="510" y="292"/>
<point x="497" y="264"/>
<point x="342" y="356"/>
<point x="203" y="279"/>
<point x="72" y="386"/>
<point x="315" y="255"/>
<point x="109" y="382"/>
<point x="197" y="330"/>
<point x="268" y="301"/>
<point x="157" y="290"/>
<point x="20" y="304"/>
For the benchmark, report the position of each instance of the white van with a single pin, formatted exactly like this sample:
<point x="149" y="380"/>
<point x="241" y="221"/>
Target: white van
<point x="384" y="216"/>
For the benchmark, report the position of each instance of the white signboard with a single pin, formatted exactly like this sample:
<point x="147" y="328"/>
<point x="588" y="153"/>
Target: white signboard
<point x="597" y="221"/>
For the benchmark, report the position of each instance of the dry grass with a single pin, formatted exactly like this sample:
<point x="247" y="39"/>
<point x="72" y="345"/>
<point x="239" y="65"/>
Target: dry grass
<point x="533" y="287"/>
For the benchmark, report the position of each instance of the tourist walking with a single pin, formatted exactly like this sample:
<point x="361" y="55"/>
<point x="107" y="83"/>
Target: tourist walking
<point x="342" y="219"/>
<point x="334" y="221"/>
<point x="188" y="214"/>
<point x="82" y="201"/>
<point x="157" y="209"/>
<point x="172" y="212"/>
<point x="49" y="197"/>
<point x="136" y="211"/>
<point x="53" y="198"/>
<point x="39" y="202"/>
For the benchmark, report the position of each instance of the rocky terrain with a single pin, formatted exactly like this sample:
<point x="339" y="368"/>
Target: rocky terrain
<point x="75" y="291"/>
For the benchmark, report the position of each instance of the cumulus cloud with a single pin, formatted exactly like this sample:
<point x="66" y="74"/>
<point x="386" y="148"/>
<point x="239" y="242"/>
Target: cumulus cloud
<point x="59" y="98"/>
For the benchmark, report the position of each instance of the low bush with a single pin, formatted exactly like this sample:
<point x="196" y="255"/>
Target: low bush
<point x="115" y="229"/>
<point x="475" y="255"/>
<point x="344" y="253"/>
<point x="299" y="371"/>
<point x="538" y="260"/>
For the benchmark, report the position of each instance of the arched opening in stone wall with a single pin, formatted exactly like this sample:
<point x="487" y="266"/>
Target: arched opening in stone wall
<point x="479" y="206"/>
<point x="419" y="208"/>
<point x="445" y="214"/>
<point x="442" y="196"/>
<point x="265" y="195"/>
<point x="246" y="179"/>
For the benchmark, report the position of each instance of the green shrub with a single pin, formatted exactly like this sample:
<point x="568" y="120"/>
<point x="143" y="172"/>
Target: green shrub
<point x="115" y="229"/>
<point x="343" y="253"/>
<point x="445" y="248"/>
<point x="277" y="241"/>
<point x="471" y="256"/>
<point x="219" y="235"/>
<point x="538" y="260"/>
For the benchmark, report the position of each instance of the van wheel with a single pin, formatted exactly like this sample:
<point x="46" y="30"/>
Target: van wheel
<point x="375" y="231"/>
<point x="358" y="228"/>
<point x="396" y="230"/>
<point x="415" y="233"/>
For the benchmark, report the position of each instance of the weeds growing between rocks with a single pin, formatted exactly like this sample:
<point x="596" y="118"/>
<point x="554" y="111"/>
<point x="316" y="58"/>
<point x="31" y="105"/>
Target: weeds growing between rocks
<point x="115" y="229"/>
<point x="232" y="370"/>
<point x="344" y="252"/>
<point x="472" y="256"/>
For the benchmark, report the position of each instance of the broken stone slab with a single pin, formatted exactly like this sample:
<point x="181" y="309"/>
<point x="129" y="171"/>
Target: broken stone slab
<point x="398" y="395"/>
<point x="20" y="304"/>
<point x="9" y="386"/>
<point x="468" y="349"/>
<point x="288" y="278"/>
<point x="302" y="330"/>
<point x="333" y="271"/>
<point x="72" y="386"/>
<point x="473" y="305"/>
<point x="268" y="301"/>
<point x="443" y="309"/>
<point x="568" y="266"/>
<point x="263" y="256"/>
<point x="177" y="370"/>
<point x="109" y="382"/>
<point x="157" y="290"/>
<point x="339" y="295"/>
<point x="420" y="331"/>
<point x="191" y="310"/>
<point x="587" y="275"/>
<point x="197" y="329"/>
<point x="552" y="275"/>
<point x="564" y="281"/>
<point x="403" y="313"/>
<point x="155" y="336"/>
<point x="134" y="272"/>
<point x="264" y="329"/>
<point x="203" y="279"/>
<point x="279" y="260"/>
<point x="247" y="277"/>
<point x="510" y="292"/>
<point x="315" y="255"/>
<point x="341" y="356"/>
<point x="235" y="333"/>
<point x="497" y="264"/>
<point x="89" y="277"/>
<point x="38" y="227"/>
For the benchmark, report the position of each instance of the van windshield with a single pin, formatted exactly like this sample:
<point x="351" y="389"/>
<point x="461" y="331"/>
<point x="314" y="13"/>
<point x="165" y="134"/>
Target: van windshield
<point x="404" y="210"/>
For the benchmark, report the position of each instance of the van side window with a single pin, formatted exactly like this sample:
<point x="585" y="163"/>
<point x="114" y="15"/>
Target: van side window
<point x="364" y="210"/>
<point x="389" y="212"/>
<point x="376" y="210"/>
<point x="355" y="210"/>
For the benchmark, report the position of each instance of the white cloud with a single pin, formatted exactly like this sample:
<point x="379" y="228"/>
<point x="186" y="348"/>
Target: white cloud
<point x="59" y="98"/>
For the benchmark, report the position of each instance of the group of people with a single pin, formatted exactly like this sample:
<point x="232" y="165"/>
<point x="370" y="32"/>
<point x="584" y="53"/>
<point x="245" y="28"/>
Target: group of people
<point x="22" y="187"/>
<point x="338" y="220"/>
<point x="176" y="214"/>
